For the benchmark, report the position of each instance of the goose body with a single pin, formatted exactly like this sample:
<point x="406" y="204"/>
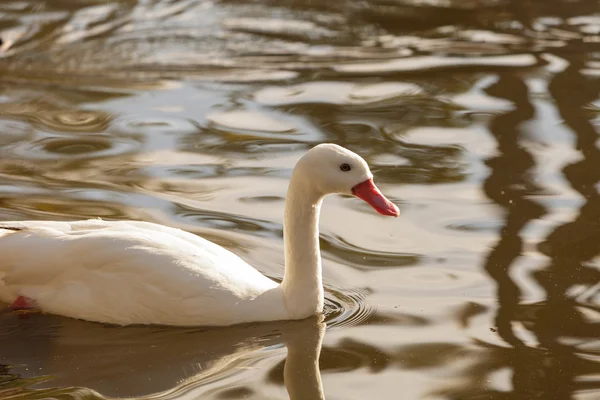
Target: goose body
<point x="131" y="272"/>
<point x="126" y="272"/>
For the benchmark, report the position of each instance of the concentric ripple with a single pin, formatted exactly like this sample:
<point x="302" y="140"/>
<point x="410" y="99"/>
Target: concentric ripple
<point x="56" y="118"/>
<point x="80" y="147"/>
<point x="346" y="307"/>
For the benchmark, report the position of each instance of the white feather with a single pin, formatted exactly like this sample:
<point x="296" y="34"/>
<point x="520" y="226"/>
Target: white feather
<point x="132" y="272"/>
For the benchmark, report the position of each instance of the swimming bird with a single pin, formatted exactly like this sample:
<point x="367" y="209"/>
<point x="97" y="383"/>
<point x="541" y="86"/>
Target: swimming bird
<point x="133" y="272"/>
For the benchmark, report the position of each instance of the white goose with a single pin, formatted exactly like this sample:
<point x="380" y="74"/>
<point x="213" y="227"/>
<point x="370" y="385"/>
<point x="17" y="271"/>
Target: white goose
<point x="129" y="272"/>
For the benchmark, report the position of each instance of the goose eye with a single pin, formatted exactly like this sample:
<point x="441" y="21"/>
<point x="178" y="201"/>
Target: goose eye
<point x="345" y="167"/>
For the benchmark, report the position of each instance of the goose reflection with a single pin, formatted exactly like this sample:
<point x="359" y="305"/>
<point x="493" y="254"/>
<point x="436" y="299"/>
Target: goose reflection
<point x="141" y="362"/>
<point x="301" y="372"/>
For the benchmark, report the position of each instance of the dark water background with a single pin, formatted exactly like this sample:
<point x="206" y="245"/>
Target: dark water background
<point x="479" y="118"/>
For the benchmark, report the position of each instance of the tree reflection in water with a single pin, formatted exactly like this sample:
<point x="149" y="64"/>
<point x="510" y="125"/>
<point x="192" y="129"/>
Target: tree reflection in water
<point x="558" y="355"/>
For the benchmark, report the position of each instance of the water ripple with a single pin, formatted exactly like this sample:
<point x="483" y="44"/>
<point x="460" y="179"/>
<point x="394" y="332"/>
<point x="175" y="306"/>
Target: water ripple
<point x="338" y="249"/>
<point x="52" y="118"/>
<point x="346" y="307"/>
<point x="73" y="148"/>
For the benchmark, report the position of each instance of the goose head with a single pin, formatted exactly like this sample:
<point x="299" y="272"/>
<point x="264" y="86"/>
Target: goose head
<point x="329" y="168"/>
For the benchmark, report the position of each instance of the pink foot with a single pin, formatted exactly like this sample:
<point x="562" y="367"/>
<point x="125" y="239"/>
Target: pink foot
<point x="23" y="303"/>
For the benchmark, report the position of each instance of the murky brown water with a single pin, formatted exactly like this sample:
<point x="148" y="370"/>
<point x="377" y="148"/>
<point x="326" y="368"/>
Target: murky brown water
<point x="479" y="118"/>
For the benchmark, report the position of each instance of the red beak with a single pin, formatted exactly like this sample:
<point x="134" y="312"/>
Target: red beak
<point x="369" y="193"/>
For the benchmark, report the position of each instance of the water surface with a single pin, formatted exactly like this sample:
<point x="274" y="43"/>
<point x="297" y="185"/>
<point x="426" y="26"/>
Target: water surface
<point x="479" y="119"/>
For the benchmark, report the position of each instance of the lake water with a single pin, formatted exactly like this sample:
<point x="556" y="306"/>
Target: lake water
<point x="480" y="119"/>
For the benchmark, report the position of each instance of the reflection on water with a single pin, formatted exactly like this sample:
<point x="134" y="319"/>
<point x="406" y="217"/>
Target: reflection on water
<point x="168" y="363"/>
<point x="479" y="118"/>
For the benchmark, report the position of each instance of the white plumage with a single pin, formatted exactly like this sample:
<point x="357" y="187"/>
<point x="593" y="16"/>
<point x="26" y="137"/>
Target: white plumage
<point x="132" y="272"/>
